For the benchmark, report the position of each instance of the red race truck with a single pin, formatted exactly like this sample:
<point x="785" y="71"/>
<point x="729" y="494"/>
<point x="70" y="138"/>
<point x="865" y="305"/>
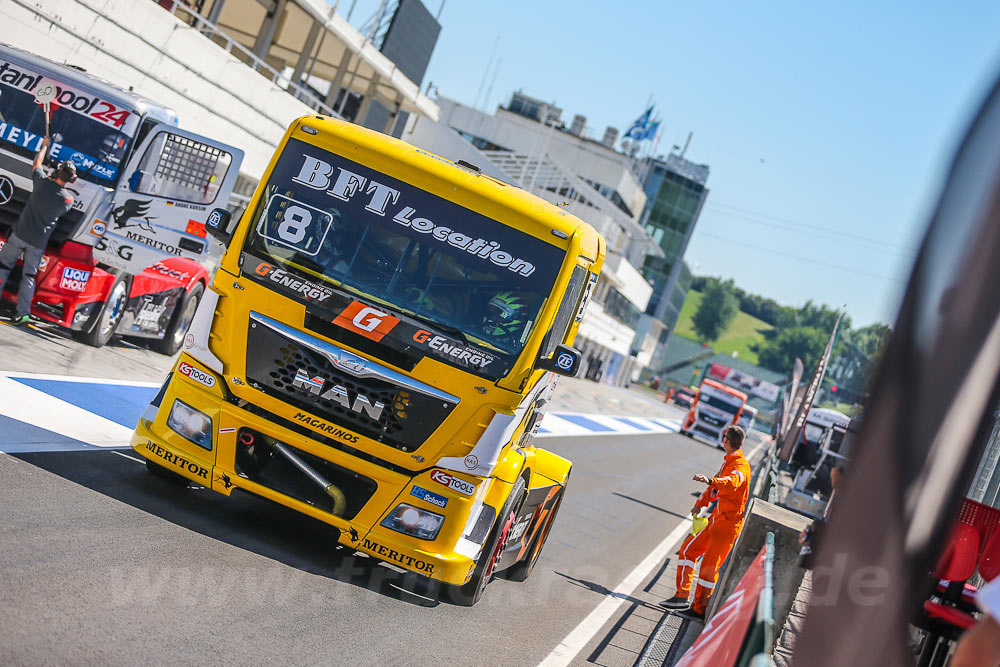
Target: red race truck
<point x="130" y="257"/>
<point x="715" y="407"/>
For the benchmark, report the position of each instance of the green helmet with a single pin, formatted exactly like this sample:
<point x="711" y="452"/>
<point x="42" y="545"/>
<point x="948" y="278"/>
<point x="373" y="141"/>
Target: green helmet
<point x="504" y="316"/>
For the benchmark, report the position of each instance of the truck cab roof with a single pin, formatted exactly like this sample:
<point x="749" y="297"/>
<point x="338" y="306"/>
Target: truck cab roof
<point x="538" y="216"/>
<point x="81" y="79"/>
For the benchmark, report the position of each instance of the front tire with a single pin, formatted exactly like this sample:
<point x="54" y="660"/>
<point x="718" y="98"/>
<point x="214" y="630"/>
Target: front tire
<point x="470" y="593"/>
<point x="173" y="338"/>
<point x="105" y="320"/>
<point x="522" y="570"/>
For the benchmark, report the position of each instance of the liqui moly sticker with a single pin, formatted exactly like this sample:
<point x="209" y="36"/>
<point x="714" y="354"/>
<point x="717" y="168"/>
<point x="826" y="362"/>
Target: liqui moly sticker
<point x="74" y="280"/>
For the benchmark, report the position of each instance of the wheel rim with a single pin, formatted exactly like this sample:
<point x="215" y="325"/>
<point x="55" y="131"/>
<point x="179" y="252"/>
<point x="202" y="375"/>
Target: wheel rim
<point x="501" y="545"/>
<point x="185" y="320"/>
<point x="113" y="308"/>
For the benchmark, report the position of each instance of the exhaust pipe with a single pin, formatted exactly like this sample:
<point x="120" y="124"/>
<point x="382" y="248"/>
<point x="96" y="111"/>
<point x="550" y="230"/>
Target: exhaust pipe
<point x="339" y="499"/>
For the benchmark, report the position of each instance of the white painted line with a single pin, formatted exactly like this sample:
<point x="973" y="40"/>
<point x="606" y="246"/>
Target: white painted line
<point x="130" y="458"/>
<point x="557" y="425"/>
<point x="74" y="378"/>
<point x="28" y="405"/>
<point x="574" y="642"/>
<point x="756" y="450"/>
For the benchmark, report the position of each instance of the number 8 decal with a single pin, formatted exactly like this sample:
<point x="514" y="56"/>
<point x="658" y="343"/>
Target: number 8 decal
<point x="294" y="223"/>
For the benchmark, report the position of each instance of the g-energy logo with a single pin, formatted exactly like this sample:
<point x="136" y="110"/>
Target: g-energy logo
<point x="367" y="321"/>
<point x="309" y="290"/>
<point x="319" y="175"/>
<point x="456" y="352"/>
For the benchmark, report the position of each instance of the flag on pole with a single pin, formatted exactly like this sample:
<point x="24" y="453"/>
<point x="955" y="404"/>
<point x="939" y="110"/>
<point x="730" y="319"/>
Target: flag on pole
<point x="651" y="129"/>
<point x="638" y="128"/>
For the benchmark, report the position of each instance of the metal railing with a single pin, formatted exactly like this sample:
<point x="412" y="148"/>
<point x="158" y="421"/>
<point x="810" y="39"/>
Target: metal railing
<point x="769" y="488"/>
<point x="250" y="59"/>
<point x="760" y="639"/>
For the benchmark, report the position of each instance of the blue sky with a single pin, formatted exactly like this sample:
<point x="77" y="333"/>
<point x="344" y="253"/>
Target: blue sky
<point x="827" y="129"/>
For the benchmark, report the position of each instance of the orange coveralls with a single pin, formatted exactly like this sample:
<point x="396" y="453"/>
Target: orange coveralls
<point x="731" y="487"/>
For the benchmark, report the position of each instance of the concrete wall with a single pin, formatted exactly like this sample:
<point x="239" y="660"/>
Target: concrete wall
<point x="523" y="135"/>
<point x="136" y="43"/>
<point x="442" y="140"/>
<point x="598" y="326"/>
<point x="631" y="284"/>
<point x="786" y="525"/>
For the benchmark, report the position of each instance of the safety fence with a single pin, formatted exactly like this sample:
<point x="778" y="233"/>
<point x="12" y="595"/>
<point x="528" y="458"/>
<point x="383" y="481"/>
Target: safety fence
<point x="765" y="481"/>
<point x="759" y="642"/>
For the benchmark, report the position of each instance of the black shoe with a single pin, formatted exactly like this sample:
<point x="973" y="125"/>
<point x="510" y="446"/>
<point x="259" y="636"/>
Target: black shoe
<point x="692" y="615"/>
<point x="676" y="603"/>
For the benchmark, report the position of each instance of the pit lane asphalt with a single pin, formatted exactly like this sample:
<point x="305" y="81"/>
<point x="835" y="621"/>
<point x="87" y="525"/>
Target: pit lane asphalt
<point x="102" y="563"/>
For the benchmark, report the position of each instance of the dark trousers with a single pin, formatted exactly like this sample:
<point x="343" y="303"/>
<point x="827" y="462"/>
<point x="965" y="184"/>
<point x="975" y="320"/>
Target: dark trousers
<point x="11" y="250"/>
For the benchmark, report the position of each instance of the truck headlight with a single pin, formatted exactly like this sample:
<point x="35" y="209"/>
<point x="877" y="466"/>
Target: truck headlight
<point x="414" y="521"/>
<point x="190" y="424"/>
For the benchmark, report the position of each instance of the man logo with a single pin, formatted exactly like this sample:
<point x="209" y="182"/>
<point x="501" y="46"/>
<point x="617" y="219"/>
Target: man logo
<point x="338" y="394"/>
<point x="367" y="321"/>
<point x="6" y="190"/>
<point x="351" y="364"/>
<point x="565" y="361"/>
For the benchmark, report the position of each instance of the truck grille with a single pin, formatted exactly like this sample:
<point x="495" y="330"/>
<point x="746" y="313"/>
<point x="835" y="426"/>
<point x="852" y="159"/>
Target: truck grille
<point x="341" y="387"/>
<point x="710" y="419"/>
<point x="704" y="430"/>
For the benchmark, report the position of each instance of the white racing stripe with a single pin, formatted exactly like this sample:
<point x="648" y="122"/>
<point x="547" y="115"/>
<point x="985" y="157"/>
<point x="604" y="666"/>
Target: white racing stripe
<point x="77" y="378"/>
<point x="578" y="638"/>
<point x="555" y="425"/>
<point x="28" y="405"/>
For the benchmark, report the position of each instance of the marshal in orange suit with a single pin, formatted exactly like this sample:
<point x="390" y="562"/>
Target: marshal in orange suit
<point x="730" y="487"/>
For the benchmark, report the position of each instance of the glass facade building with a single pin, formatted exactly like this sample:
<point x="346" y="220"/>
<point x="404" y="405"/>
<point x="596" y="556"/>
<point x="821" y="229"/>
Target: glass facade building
<point x="676" y="193"/>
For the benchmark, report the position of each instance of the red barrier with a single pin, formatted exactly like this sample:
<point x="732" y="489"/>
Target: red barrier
<point x="720" y="641"/>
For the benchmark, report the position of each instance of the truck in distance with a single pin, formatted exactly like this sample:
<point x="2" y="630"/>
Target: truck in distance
<point x="715" y="407"/>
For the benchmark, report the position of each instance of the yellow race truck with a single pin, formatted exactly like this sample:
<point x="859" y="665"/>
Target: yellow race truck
<point x="376" y="351"/>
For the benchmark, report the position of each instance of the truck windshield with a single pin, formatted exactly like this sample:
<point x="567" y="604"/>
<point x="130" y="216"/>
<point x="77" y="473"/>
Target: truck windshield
<point x="391" y="245"/>
<point x="95" y="139"/>
<point x="721" y="400"/>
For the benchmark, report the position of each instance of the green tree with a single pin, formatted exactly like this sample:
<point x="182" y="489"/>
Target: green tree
<point x="821" y="317"/>
<point x="717" y="309"/>
<point x="778" y="354"/>
<point x="872" y="340"/>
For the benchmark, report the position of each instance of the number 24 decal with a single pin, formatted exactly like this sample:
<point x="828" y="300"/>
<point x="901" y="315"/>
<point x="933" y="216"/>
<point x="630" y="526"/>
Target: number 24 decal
<point x="110" y="114"/>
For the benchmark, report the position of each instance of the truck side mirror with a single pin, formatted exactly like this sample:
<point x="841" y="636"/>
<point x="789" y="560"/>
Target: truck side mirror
<point x="565" y="360"/>
<point x="218" y="225"/>
<point x="135" y="180"/>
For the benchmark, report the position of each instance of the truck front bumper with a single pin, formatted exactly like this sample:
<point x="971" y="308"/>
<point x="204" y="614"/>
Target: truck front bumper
<point x="360" y="527"/>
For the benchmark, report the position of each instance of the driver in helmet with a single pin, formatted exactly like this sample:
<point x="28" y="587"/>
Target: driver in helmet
<point x="505" y="317"/>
